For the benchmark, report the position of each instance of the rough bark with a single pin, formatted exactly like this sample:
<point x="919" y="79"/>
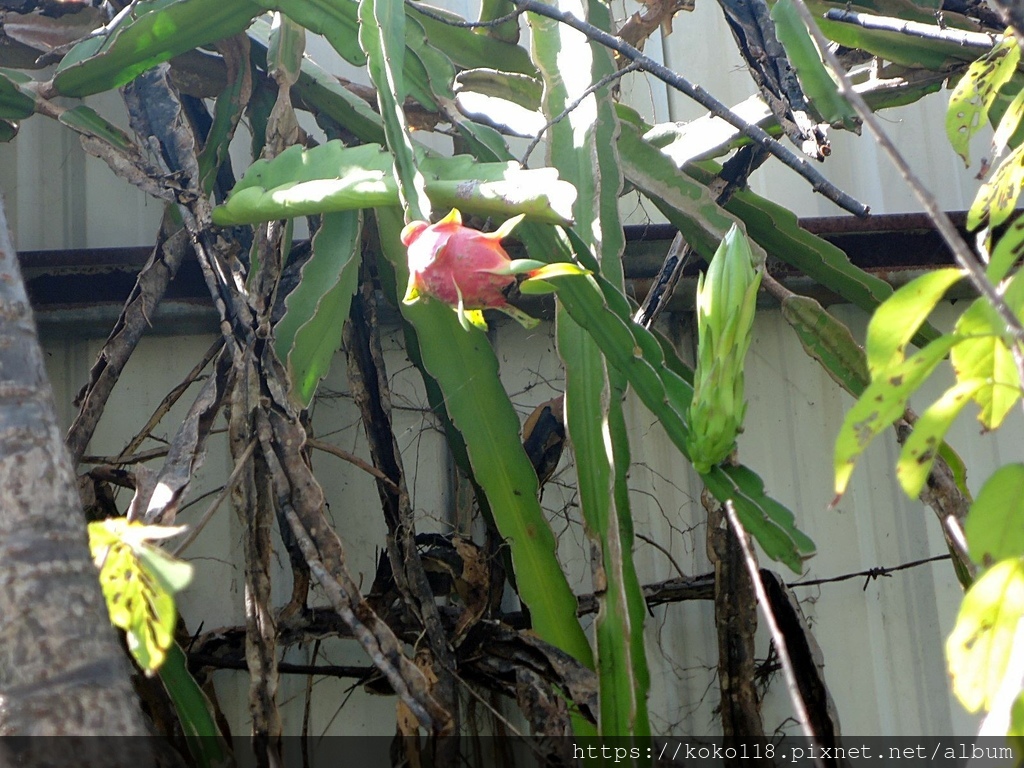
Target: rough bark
<point x="736" y="623"/>
<point x="62" y="671"/>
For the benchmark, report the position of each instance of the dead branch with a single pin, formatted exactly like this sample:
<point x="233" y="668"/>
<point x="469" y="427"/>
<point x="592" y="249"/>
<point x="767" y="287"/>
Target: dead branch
<point x="781" y="646"/>
<point x="352" y="459"/>
<point x="736" y="626"/>
<point x="371" y="392"/>
<point x="165" y="405"/>
<point x="301" y="498"/>
<point x="135" y="318"/>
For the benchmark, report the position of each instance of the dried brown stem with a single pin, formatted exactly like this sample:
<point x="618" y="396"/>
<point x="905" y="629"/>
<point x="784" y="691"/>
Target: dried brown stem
<point x="792" y="686"/>
<point x="168" y="402"/>
<point x="149" y="289"/>
<point x="736" y="625"/>
<point x="370" y="390"/>
<point x="351" y="458"/>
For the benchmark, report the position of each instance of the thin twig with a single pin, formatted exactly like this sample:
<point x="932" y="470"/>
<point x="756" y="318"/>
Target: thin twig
<point x="430" y="14"/>
<point x="284" y="667"/>
<point x="351" y="458"/>
<point x="773" y="628"/>
<point x="964" y="256"/>
<point x="135" y="458"/>
<point x="981" y="41"/>
<point x="198" y="527"/>
<point x="799" y="164"/>
<point x="609" y="78"/>
<point x="169" y="400"/>
<point x="665" y="551"/>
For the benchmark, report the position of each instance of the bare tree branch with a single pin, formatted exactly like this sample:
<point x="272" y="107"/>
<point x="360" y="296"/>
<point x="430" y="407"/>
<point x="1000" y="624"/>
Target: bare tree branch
<point x="978" y="40"/>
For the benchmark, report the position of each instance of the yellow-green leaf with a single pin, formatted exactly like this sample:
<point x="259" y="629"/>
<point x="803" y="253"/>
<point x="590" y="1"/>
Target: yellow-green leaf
<point x="983" y="355"/>
<point x="1017" y="719"/>
<point x="980" y="646"/>
<point x="997" y="198"/>
<point x="881" y="404"/>
<point x="993" y="528"/>
<point x="1008" y="251"/>
<point x="138" y="582"/>
<point x="898" y="318"/>
<point x="1008" y="124"/>
<point x="973" y="96"/>
<point x="925" y="442"/>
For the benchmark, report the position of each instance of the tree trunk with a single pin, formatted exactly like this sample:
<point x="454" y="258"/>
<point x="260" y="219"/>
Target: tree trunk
<point x="62" y="671"/>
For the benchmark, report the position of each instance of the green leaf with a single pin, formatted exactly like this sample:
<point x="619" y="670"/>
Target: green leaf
<point x="172" y="574"/>
<point x="489" y="424"/>
<point x="922" y="447"/>
<point x="469" y="50"/>
<point x="309" y="334"/>
<point x="15" y="102"/>
<point x="332" y="177"/>
<point x="993" y="528"/>
<point x="1008" y="125"/>
<point x="583" y="149"/>
<point x="87" y="121"/>
<point x="382" y="37"/>
<point x="496" y="9"/>
<point x="522" y="90"/>
<point x="285" y="48"/>
<point x="321" y="93"/>
<point x="829" y="342"/>
<point x="1016" y="728"/>
<point x="226" y="113"/>
<point x="984" y="355"/>
<point x="152" y="32"/>
<point x="1008" y="251"/>
<point x="983" y="640"/>
<point x="816" y="82"/>
<point x="895" y="46"/>
<point x="771" y="524"/>
<point x="687" y="204"/>
<point x="336" y="20"/>
<point x="881" y="404"/>
<point x="973" y="96"/>
<point x="507" y="101"/>
<point x="898" y="318"/>
<point x="958" y="468"/>
<point x="196" y="714"/>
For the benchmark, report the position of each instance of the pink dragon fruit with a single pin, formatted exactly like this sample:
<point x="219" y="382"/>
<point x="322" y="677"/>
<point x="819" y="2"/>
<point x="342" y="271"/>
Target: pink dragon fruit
<point x="469" y="270"/>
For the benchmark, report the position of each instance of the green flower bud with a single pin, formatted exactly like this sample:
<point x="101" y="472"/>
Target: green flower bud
<point x="726" y="301"/>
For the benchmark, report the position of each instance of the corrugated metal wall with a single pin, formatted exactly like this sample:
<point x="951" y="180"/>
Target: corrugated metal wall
<point x="882" y="640"/>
